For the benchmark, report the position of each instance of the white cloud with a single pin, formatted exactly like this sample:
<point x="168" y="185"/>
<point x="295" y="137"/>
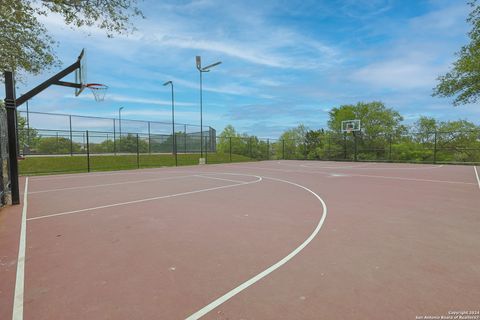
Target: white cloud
<point x="123" y="98"/>
<point x="420" y="53"/>
<point x="398" y="74"/>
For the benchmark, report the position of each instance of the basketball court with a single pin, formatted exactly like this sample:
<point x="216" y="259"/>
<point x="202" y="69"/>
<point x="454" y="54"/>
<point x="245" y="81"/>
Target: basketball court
<point x="258" y="240"/>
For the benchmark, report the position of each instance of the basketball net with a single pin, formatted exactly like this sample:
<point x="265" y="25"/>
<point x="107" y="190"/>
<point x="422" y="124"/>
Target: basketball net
<point x="98" y="90"/>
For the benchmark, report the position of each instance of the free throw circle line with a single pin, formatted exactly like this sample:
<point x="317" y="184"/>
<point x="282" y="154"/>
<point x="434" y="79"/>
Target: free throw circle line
<point x="476" y="174"/>
<point x="227" y="296"/>
<point x="144" y="200"/>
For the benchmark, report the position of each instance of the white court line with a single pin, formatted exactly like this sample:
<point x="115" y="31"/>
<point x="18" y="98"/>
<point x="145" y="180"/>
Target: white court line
<point x="396" y="168"/>
<point x="364" y="166"/>
<point x="360" y="175"/>
<point x="222" y="179"/>
<point x="478" y="178"/>
<point x="408" y="179"/>
<point x="111" y="184"/>
<point x="320" y="167"/>
<point x="144" y="200"/>
<point x="203" y="311"/>
<point x="17" y="313"/>
<point x="101" y="174"/>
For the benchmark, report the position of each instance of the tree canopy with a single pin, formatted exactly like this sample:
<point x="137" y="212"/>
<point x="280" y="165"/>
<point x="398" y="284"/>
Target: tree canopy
<point x="463" y="80"/>
<point x="25" y="44"/>
<point x="375" y="118"/>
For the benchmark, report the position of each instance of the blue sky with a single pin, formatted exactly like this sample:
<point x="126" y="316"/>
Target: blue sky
<point x="284" y="62"/>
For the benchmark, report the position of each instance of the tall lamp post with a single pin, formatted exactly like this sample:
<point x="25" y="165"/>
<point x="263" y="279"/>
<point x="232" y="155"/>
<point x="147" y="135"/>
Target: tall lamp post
<point x="201" y="70"/>
<point x="174" y="138"/>
<point x="120" y="121"/>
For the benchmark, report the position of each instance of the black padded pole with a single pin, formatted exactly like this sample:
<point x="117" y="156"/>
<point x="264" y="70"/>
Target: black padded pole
<point x="10" y="105"/>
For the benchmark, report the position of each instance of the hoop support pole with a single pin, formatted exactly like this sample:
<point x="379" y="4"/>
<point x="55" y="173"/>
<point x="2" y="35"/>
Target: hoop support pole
<point x="10" y="105"/>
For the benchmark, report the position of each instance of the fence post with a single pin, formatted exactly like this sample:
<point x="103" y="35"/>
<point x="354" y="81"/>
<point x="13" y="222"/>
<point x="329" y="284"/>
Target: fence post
<point x="149" y="139"/>
<point x="329" y="147"/>
<point x="230" y="149"/>
<point x="28" y="127"/>
<point x="355" y="146"/>
<point x="435" y="148"/>
<point x="390" y="147"/>
<point x="283" y="149"/>
<point x="114" y="139"/>
<point x="138" y="154"/>
<point x="185" y="136"/>
<point x="88" y="153"/>
<point x="71" y="136"/>
<point x="206" y="148"/>
<point x="250" y="146"/>
<point x="268" y="149"/>
<point x="175" y="148"/>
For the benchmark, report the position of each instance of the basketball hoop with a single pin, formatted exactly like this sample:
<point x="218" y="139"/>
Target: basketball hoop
<point x="99" y="90"/>
<point x="350" y="126"/>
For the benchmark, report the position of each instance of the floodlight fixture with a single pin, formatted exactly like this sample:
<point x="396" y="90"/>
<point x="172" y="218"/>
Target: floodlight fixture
<point x="198" y="61"/>
<point x="206" y="69"/>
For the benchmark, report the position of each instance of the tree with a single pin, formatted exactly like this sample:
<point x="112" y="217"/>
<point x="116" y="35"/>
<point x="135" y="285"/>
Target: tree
<point x="224" y="138"/>
<point x="56" y="145"/>
<point x="293" y="142"/>
<point x="313" y="142"/>
<point x="374" y="116"/>
<point x="425" y="125"/>
<point x="463" y="80"/>
<point x="424" y="130"/>
<point x="379" y="124"/>
<point x="25" y="44"/>
<point x="27" y="137"/>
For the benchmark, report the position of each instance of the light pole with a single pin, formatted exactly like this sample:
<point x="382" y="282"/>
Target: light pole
<point x="201" y="70"/>
<point x="120" y="121"/>
<point x="174" y="138"/>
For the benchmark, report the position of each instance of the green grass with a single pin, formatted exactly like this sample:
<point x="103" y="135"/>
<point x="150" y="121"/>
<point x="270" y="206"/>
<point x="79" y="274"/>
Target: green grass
<point x="65" y="164"/>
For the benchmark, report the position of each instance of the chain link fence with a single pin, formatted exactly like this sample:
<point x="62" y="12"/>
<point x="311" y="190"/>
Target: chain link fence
<point x="417" y="147"/>
<point x="4" y="172"/>
<point x="65" y="151"/>
<point x="91" y="144"/>
<point x="73" y="128"/>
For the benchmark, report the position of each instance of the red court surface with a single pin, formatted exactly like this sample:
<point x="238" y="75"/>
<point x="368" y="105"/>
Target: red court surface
<point x="259" y="240"/>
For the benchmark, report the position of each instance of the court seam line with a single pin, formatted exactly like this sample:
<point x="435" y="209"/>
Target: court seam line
<point x="134" y="171"/>
<point x="110" y="184"/>
<point x="373" y="168"/>
<point x="365" y="166"/>
<point x="408" y="179"/>
<point x="215" y="178"/>
<point x="476" y="173"/>
<point x="143" y="200"/>
<point x="17" y="313"/>
<point x="319" y="167"/>
<point x="361" y="175"/>
<point x="230" y="294"/>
